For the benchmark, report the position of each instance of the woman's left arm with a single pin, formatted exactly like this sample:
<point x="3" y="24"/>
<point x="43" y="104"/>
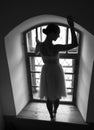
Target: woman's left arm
<point x="72" y="29"/>
<point x="73" y="36"/>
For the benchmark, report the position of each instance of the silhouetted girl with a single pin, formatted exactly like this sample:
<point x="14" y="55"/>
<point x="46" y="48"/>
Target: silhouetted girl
<point x="52" y="82"/>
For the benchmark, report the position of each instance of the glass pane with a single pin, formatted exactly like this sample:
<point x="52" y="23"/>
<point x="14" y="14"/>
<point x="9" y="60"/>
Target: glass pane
<point x="68" y="77"/>
<point x="35" y="79"/>
<point x="69" y="84"/>
<point x="41" y="35"/>
<point x="68" y="69"/>
<point x="66" y="62"/>
<point x="69" y="36"/>
<point x="31" y="40"/>
<point x="36" y="64"/>
<point x="28" y="41"/>
<point x="38" y="61"/>
<point x="38" y="68"/>
<point x="62" y="36"/>
<point x="32" y="63"/>
<point x="70" y="91"/>
<point x="74" y="50"/>
<point x="33" y="43"/>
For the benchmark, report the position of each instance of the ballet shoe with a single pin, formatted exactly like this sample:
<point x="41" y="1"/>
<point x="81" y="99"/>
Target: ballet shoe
<point x="54" y="113"/>
<point x="52" y="117"/>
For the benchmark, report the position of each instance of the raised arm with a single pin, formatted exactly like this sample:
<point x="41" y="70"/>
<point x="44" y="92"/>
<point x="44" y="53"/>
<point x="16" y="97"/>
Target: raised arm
<point x="73" y="36"/>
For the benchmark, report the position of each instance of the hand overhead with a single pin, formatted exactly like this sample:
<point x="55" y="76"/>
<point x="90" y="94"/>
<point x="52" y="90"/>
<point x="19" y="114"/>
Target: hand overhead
<point x="70" y="21"/>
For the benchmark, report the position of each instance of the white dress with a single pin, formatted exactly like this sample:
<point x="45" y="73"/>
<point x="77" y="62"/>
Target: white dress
<point x="52" y="82"/>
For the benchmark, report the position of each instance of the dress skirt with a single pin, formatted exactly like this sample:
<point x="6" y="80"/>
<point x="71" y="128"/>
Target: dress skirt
<point x="52" y="82"/>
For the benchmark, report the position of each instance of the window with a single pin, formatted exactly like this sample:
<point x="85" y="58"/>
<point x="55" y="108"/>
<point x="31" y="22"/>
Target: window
<point x="67" y="59"/>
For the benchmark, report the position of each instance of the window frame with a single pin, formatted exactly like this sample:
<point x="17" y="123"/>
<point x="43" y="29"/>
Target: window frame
<point x="66" y="56"/>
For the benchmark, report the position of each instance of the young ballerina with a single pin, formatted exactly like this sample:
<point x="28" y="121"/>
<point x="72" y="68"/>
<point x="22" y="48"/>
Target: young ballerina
<point x="52" y="82"/>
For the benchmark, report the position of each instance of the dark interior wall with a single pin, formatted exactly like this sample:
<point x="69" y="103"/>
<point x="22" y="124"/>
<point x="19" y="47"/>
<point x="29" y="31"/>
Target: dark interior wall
<point x="1" y="119"/>
<point x="6" y="95"/>
<point x="13" y="13"/>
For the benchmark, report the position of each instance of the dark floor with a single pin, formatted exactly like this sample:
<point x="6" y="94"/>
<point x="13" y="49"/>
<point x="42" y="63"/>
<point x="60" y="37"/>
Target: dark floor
<point x="65" y="113"/>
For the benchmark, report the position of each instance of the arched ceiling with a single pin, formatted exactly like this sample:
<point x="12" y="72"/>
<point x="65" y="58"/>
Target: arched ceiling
<point x="13" y="13"/>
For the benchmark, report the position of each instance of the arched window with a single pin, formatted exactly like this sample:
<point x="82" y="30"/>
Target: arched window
<point x="68" y="59"/>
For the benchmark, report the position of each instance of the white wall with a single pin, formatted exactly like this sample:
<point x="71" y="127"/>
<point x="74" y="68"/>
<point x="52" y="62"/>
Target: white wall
<point x="85" y="72"/>
<point x="17" y="69"/>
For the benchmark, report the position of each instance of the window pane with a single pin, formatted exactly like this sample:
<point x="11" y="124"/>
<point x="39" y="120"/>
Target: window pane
<point x="69" y="36"/>
<point x="74" y="50"/>
<point x="68" y="69"/>
<point x="28" y="41"/>
<point x="41" y="35"/>
<point x="33" y="43"/>
<point x="35" y="79"/>
<point x="66" y="62"/>
<point x="31" y="38"/>
<point x="68" y="84"/>
<point x="38" y="68"/>
<point x="67" y="66"/>
<point x="69" y="91"/>
<point x="68" y="77"/>
<point x="38" y="61"/>
<point x="32" y="63"/>
<point x="36" y="64"/>
<point x="62" y="36"/>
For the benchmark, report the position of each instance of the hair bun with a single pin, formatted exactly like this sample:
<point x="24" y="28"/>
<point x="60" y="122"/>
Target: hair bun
<point x="52" y="27"/>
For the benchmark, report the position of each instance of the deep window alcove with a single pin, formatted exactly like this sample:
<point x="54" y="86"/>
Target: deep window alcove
<point x="68" y="59"/>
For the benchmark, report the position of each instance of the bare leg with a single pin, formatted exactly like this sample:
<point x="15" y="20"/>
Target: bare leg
<point x="50" y="107"/>
<point x="56" y="104"/>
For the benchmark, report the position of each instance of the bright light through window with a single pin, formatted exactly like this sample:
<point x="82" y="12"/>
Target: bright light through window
<point x="36" y="63"/>
<point x="62" y="36"/>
